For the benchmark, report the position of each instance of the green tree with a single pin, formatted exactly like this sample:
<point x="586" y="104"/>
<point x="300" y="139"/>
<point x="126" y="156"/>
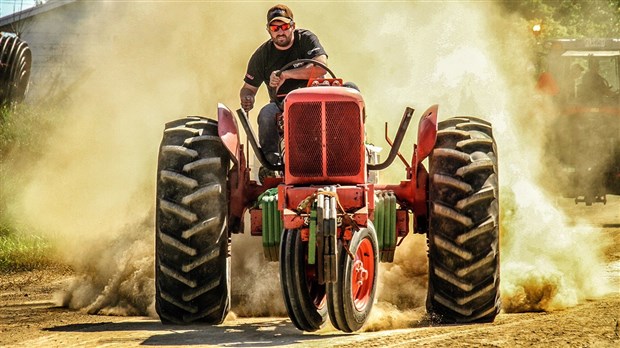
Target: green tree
<point x="570" y="18"/>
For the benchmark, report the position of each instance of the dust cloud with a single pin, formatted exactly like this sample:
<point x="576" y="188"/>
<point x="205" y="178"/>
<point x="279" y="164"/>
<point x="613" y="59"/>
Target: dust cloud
<point x="93" y="192"/>
<point x="479" y="63"/>
<point x="256" y="282"/>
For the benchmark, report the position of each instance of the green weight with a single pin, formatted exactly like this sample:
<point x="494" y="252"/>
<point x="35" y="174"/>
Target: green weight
<point x="392" y="227"/>
<point x="278" y="231"/>
<point x="379" y="219"/>
<point x="312" y="239"/>
<point x="265" y="235"/>
<point x="272" y="226"/>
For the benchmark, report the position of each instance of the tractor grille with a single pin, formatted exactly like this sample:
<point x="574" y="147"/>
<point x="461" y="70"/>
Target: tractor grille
<point x="343" y="139"/>
<point x="305" y="153"/>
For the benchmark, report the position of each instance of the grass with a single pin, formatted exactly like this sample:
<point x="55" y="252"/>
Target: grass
<point x="24" y="252"/>
<point x="21" y="130"/>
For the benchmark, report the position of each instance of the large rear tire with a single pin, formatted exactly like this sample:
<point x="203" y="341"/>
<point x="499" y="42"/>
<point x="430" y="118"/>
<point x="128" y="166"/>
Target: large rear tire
<point x="303" y="295"/>
<point x="351" y="298"/>
<point x="192" y="264"/>
<point x="463" y="237"/>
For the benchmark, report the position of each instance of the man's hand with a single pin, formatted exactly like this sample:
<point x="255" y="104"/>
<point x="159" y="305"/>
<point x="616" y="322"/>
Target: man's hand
<point x="246" y="95"/>
<point x="247" y="103"/>
<point x="276" y="79"/>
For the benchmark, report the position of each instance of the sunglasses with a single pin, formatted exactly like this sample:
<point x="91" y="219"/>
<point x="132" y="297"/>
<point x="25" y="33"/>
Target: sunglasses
<point x="284" y="27"/>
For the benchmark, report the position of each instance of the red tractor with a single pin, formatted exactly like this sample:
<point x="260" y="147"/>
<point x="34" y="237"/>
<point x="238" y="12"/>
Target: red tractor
<point x="327" y="225"/>
<point x="583" y="76"/>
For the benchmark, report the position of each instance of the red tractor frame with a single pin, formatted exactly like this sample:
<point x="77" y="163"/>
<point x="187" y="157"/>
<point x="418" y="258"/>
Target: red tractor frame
<point x="327" y="225"/>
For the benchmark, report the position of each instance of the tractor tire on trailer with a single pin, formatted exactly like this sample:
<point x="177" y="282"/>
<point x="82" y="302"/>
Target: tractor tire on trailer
<point x="15" y="67"/>
<point x="463" y="235"/>
<point x="350" y="299"/>
<point x="192" y="263"/>
<point x="303" y="295"/>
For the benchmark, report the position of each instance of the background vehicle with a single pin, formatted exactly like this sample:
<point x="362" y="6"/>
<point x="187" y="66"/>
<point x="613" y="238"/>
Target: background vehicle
<point x="585" y="138"/>
<point x="327" y="225"/>
<point x="15" y="65"/>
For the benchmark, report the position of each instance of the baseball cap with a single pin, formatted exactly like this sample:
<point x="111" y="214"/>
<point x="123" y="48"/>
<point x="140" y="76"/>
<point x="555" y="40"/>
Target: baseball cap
<point x="280" y="13"/>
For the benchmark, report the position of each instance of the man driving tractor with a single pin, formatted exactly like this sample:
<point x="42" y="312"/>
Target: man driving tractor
<point x="286" y="44"/>
<point x="594" y="85"/>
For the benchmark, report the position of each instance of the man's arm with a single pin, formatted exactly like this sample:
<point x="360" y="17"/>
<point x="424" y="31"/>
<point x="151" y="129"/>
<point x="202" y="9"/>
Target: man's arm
<point x="303" y="73"/>
<point x="246" y="94"/>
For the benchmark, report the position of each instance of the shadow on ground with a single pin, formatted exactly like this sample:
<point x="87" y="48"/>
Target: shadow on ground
<point x="266" y="333"/>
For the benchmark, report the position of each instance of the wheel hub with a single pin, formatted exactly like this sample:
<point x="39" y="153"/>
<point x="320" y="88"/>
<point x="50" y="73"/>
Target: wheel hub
<point x="361" y="273"/>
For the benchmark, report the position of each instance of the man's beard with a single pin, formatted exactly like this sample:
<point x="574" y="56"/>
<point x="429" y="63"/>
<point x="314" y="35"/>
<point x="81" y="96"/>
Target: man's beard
<point x="279" y="43"/>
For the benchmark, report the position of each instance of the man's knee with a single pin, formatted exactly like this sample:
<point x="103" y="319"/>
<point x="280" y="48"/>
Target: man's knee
<point x="268" y="113"/>
<point x="267" y="130"/>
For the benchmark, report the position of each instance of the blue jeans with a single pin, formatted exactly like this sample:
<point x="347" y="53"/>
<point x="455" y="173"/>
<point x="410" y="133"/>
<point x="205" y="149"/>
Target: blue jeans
<point x="268" y="132"/>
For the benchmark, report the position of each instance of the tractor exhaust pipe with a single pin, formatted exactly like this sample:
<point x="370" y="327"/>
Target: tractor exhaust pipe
<point x="400" y="135"/>
<point x="243" y="117"/>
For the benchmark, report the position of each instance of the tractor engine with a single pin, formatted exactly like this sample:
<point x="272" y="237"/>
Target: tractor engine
<point x="324" y="136"/>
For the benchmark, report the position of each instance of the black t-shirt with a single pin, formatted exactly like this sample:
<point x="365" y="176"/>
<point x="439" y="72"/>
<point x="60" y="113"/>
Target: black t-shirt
<point x="268" y="58"/>
<point x="595" y="83"/>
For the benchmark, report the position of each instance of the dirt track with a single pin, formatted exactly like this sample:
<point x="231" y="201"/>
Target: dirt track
<point x="30" y="318"/>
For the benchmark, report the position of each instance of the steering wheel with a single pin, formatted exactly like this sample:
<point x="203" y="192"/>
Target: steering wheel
<point x="312" y="61"/>
<point x="273" y="93"/>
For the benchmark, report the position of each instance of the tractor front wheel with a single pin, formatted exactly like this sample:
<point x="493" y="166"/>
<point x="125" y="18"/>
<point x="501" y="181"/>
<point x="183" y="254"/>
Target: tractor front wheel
<point x="303" y="295"/>
<point x="350" y="299"/>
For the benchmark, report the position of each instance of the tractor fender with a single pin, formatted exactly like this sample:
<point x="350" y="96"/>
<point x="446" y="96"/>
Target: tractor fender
<point x="427" y="134"/>
<point x="228" y="131"/>
<point x="413" y="193"/>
